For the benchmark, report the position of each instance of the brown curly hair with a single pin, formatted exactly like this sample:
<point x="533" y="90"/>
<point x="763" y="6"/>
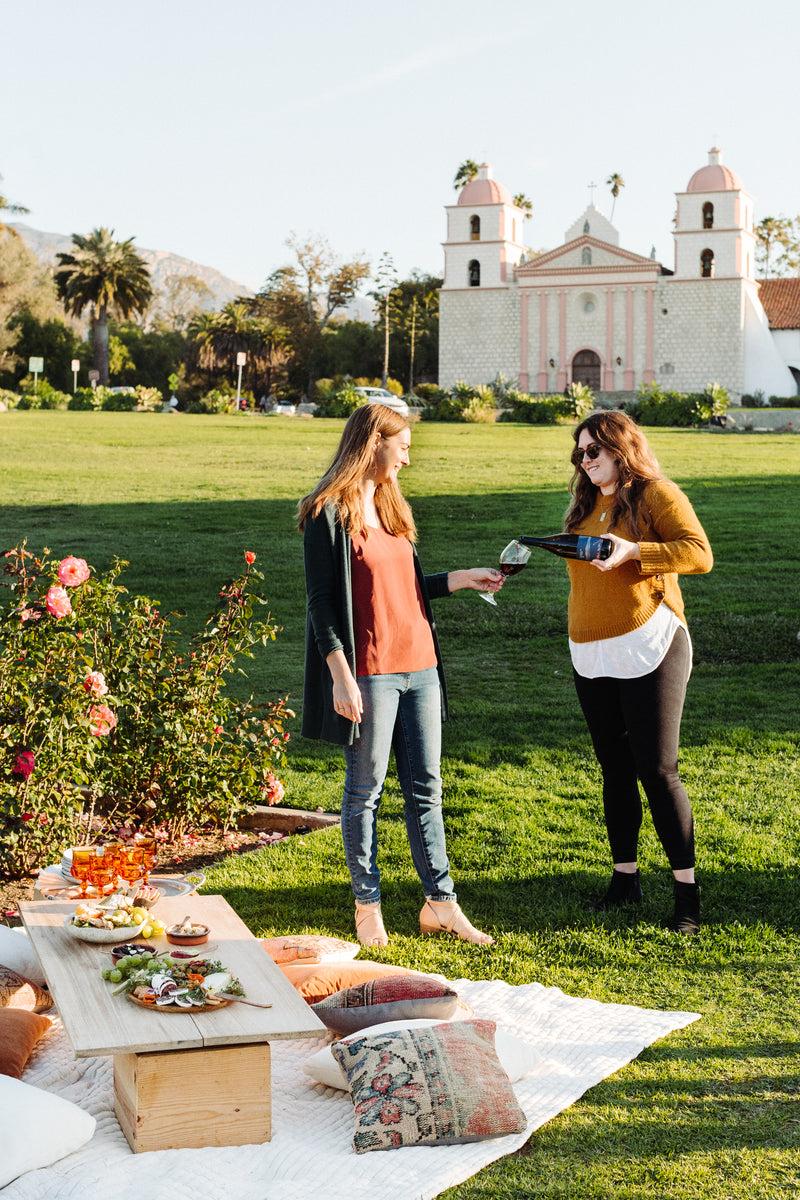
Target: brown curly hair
<point x="636" y="463"/>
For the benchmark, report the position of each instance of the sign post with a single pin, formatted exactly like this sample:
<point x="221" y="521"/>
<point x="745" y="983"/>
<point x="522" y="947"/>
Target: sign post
<point x="93" y="378"/>
<point x="35" y="365"/>
<point x="76" y="366"/>
<point x="241" y="359"/>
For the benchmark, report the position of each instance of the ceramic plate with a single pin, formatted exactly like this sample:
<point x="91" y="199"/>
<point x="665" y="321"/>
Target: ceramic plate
<point x="89" y="933"/>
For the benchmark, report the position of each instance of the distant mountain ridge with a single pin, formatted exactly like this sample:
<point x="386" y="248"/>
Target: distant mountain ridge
<point x="161" y="263"/>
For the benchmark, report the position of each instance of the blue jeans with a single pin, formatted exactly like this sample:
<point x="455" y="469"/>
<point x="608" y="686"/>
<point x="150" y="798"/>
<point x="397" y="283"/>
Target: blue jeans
<point x="401" y="712"/>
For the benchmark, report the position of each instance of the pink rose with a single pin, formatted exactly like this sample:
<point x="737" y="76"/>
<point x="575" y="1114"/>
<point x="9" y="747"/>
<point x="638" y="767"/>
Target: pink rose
<point x="30" y="614"/>
<point x="73" y="571"/>
<point x="24" y="764"/>
<point x="273" y="790"/>
<point x="249" y="557"/>
<point x="95" y="684"/>
<point x="57" y="602"/>
<point x="101" y="720"/>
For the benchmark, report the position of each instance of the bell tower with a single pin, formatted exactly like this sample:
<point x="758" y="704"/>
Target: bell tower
<point x="484" y="235"/>
<point x="714" y="225"/>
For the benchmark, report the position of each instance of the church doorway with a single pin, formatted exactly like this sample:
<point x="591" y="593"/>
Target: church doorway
<point x="586" y="369"/>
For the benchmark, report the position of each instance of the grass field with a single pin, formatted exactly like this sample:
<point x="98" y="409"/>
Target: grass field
<point x="712" y="1111"/>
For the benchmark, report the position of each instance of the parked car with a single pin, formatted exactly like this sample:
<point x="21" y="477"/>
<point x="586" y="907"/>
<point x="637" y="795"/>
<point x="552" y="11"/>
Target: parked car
<point x="378" y="395"/>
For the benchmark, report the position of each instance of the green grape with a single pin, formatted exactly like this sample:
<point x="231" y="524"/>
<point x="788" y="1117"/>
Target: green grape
<point x="106" y="974"/>
<point x="115" y="976"/>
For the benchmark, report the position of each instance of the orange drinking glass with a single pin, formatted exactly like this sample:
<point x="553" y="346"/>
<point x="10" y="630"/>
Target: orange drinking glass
<point x="114" y="856"/>
<point x="146" y="842"/>
<point x="82" y="860"/>
<point x="131" y="863"/>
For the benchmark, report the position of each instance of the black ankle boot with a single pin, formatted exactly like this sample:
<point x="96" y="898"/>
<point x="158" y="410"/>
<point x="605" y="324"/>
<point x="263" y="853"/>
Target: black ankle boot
<point x="686" y="918"/>
<point x="625" y="888"/>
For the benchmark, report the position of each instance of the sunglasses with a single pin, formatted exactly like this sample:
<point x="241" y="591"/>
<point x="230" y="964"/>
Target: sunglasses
<point x="592" y="452"/>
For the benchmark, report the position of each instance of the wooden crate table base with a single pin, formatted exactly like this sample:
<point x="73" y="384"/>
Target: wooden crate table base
<point x="180" y="1079"/>
<point x="216" y="1097"/>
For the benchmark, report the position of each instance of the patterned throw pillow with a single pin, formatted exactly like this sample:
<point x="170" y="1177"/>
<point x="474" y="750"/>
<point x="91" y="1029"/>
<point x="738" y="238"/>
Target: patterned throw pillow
<point x="389" y="998"/>
<point x="309" y="948"/>
<point x="428" y="1087"/>
<point x="316" y="981"/>
<point x="16" y="992"/>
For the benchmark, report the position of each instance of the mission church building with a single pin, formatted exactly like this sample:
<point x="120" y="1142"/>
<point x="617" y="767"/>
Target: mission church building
<point x="592" y="312"/>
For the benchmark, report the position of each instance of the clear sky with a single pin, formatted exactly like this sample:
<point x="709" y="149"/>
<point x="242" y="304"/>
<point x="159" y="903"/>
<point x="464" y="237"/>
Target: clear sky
<point x="213" y="129"/>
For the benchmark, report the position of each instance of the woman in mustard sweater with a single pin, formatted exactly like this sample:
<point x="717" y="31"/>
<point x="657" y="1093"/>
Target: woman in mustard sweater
<point x="630" y="647"/>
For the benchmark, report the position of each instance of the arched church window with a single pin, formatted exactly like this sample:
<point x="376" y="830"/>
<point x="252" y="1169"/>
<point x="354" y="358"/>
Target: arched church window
<point x="475" y="229"/>
<point x="474" y="270"/>
<point x="586" y="256"/>
<point x="585" y="226"/>
<point x="708" y="215"/>
<point x="707" y="264"/>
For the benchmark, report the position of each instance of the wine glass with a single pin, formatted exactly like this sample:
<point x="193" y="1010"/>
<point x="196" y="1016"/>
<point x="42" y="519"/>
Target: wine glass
<point x="512" y="560"/>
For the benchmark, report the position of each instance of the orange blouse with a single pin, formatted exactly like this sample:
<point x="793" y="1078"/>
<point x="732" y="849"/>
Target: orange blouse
<point x="391" y="630"/>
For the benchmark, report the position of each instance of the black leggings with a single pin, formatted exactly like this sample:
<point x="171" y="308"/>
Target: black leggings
<point x="635" y="725"/>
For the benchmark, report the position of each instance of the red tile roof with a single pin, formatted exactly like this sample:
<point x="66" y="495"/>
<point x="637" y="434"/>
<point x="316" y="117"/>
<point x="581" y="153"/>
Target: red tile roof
<point x="781" y="300"/>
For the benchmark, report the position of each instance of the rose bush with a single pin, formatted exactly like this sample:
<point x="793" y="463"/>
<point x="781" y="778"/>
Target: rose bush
<point x="101" y="700"/>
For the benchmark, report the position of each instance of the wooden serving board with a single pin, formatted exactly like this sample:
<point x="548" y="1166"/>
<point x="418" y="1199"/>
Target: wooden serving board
<point x="169" y="1008"/>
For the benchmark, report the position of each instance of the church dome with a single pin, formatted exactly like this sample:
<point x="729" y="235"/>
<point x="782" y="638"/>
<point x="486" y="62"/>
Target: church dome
<point x="483" y="189"/>
<point x="715" y="177"/>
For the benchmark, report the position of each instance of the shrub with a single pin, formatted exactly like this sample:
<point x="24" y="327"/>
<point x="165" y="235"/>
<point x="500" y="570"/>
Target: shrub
<point x="539" y="410"/>
<point x="655" y="406"/>
<point x="430" y="394"/>
<point x="43" y="396"/>
<point x="784" y="401"/>
<point x="219" y="400"/>
<point x="579" y="399"/>
<point x="464" y="402"/>
<point x="392" y="385"/>
<point x="117" y="401"/>
<point x="86" y="400"/>
<point x="339" y="398"/>
<point x="10" y="399"/>
<point x="95" y="693"/>
<point x="756" y="400"/>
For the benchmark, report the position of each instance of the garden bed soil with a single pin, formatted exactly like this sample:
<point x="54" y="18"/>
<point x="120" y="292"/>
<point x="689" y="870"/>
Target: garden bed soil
<point x="195" y="851"/>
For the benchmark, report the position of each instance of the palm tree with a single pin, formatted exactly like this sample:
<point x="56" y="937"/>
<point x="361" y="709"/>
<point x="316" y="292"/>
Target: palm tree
<point x="8" y="206"/>
<point x="239" y="326"/>
<point x="105" y="276"/>
<point x="770" y="232"/>
<point x="465" y="173"/>
<point x="522" y="202"/>
<point x="616" y="183"/>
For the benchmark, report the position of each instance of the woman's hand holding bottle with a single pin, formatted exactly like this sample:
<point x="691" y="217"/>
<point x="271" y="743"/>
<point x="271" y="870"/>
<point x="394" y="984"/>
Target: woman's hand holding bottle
<point x="623" y="551"/>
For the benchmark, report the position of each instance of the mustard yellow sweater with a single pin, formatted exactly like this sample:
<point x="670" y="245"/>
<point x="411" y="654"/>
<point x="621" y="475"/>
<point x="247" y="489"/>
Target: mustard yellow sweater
<point x="605" y="604"/>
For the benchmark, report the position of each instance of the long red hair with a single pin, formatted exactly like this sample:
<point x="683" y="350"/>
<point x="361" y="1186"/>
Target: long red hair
<point x="341" y="483"/>
<point x="635" y="461"/>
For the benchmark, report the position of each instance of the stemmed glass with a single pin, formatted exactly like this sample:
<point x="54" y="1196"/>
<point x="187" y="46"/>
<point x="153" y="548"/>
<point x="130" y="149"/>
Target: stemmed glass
<point x="512" y="560"/>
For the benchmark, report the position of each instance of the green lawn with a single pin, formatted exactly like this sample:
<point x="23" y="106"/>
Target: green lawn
<point x="710" y="1112"/>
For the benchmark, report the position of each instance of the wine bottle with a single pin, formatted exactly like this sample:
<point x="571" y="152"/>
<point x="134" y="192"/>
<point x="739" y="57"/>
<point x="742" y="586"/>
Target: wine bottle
<point x="572" y="545"/>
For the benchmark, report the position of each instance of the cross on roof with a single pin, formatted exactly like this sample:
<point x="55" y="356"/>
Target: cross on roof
<point x="591" y="187"/>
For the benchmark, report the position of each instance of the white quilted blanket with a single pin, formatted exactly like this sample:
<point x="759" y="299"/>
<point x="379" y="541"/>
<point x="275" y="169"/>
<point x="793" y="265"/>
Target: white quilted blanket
<point x="310" y="1155"/>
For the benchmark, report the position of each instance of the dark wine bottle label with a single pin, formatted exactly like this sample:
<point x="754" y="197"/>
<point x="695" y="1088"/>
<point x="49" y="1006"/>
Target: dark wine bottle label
<point x="589" y="548"/>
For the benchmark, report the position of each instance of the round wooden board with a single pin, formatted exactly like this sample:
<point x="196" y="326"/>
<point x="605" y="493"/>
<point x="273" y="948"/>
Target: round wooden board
<point x="169" y="1008"/>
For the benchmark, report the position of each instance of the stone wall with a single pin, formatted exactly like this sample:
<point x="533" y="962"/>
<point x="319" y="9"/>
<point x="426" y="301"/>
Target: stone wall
<point x="478" y="335"/>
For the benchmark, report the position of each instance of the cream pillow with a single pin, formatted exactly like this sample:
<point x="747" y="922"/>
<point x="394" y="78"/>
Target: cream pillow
<point x="37" y="1128"/>
<point x="517" y="1058"/>
<point x="17" y="953"/>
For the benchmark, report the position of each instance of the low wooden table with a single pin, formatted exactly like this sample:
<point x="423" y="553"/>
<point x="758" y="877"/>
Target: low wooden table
<point x="180" y="1079"/>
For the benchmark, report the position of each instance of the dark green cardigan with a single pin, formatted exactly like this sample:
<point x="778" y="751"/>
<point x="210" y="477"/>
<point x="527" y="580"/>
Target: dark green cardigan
<point x="329" y="624"/>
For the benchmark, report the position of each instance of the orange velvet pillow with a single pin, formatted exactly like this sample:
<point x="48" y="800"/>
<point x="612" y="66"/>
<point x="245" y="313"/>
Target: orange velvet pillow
<point x="19" y="1032"/>
<point x="316" y="982"/>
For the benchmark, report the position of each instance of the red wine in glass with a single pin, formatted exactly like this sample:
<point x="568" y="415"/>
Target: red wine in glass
<point x="512" y="561"/>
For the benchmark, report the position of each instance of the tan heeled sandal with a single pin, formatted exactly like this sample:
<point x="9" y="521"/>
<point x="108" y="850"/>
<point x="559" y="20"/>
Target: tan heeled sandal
<point x="445" y="916"/>
<point x="370" y="929"/>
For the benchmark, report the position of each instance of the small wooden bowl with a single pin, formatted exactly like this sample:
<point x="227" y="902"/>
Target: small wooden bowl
<point x="197" y="938"/>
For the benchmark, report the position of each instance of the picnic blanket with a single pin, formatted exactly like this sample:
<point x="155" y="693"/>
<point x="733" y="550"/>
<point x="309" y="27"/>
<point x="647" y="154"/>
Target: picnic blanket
<point x="311" y="1155"/>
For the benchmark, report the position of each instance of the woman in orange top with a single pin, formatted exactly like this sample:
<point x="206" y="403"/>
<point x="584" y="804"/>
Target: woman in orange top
<point x="373" y="677"/>
<point x="630" y="646"/>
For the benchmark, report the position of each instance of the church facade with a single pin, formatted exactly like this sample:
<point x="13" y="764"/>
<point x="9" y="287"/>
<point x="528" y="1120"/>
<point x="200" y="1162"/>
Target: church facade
<point x="590" y="311"/>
